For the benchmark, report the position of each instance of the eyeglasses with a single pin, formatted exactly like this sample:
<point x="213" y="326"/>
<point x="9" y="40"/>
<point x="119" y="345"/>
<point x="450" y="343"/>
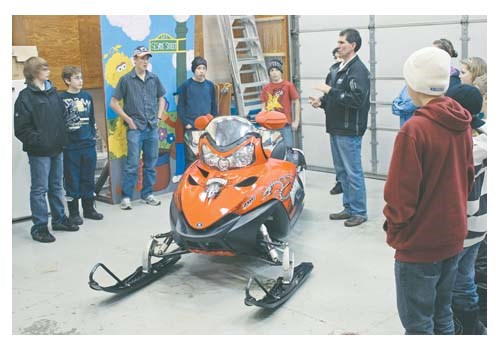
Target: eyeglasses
<point x="77" y="77"/>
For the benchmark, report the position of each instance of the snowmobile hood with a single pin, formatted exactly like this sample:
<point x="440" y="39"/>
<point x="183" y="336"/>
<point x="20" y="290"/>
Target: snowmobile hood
<point x="207" y="198"/>
<point x="446" y="112"/>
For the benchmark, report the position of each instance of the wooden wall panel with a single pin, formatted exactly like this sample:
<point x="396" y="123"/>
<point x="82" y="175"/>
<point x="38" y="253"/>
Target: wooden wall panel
<point x="199" y="49"/>
<point x="273" y="35"/>
<point x="63" y="40"/>
<point x="90" y="51"/>
<point x="57" y="40"/>
<point x="19" y="35"/>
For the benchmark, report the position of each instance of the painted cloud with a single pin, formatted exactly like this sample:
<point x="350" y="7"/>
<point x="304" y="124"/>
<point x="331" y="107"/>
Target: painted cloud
<point x="136" y="27"/>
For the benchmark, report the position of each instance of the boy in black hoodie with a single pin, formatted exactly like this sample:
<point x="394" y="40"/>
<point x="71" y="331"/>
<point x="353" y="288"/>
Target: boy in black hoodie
<point x="39" y="123"/>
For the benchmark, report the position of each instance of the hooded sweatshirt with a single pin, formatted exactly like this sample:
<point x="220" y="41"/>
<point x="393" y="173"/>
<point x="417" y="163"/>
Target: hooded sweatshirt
<point x="430" y="176"/>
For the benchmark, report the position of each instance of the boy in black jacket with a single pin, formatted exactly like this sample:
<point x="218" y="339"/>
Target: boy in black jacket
<point x="39" y="123"/>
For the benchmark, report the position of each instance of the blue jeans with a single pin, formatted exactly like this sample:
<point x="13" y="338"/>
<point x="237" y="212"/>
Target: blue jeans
<point x="346" y="152"/>
<point x="46" y="179"/>
<point x="79" y="172"/>
<point x="465" y="295"/>
<point x="147" y="141"/>
<point x="424" y="293"/>
<point x="286" y="132"/>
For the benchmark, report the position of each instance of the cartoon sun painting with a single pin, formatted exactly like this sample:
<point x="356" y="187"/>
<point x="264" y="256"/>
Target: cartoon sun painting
<point x="117" y="66"/>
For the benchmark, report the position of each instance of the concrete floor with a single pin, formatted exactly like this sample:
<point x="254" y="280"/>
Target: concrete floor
<point x="350" y="291"/>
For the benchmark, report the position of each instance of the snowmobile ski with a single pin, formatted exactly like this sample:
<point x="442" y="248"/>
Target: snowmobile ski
<point x="136" y="280"/>
<point x="146" y="273"/>
<point x="280" y="292"/>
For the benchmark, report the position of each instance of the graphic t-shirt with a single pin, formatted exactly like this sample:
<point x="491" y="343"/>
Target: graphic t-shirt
<point x="83" y="103"/>
<point x="279" y="97"/>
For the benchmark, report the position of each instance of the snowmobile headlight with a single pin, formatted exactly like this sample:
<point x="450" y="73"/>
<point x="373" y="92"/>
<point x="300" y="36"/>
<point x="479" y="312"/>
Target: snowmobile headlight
<point x="209" y="158"/>
<point x="242" y="158"/>
<point x="239" y="159"/>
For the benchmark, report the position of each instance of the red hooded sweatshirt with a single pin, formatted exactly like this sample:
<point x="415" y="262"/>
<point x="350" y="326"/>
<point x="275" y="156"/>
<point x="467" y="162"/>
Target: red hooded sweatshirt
<point x="430" y="176"/>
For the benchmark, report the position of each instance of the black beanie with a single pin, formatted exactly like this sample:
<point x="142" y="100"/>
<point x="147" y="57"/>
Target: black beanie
<point x="275" y="64"/>
<point x="468" y="96"/>
<point x="198" y="61"/>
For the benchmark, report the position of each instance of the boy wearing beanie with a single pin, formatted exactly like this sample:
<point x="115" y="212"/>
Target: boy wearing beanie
<point x="196" y="98"/>
<point x="430" y="176"/>
<point x="279" y="95"/>
<point x="465" y="297"/>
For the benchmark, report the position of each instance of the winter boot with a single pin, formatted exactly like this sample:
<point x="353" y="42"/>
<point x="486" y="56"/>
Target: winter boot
<point x="468" y="319"/>
<point x="74" y="213"/>
<point x="89" y="211"/>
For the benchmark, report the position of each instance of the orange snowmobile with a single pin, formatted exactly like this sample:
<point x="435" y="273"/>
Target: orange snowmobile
<point x="241" y="196"/>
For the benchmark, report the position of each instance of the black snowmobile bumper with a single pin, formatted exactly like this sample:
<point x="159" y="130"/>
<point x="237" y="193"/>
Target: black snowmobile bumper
<point x="136" y="280"/>
<point x="280" y="292"/>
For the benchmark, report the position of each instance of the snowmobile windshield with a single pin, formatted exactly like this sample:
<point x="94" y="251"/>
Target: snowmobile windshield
<point x="228" y="130"/>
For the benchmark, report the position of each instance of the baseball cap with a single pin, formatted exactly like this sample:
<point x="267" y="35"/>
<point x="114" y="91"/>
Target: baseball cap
<point x="142" y="51"/>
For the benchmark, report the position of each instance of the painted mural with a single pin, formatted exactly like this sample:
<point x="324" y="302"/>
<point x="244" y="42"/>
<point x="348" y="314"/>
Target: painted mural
<point x="171" y="41"/>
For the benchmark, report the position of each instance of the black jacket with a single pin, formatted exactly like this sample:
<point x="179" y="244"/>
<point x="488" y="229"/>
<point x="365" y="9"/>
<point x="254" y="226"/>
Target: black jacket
<point x="347" y="103"/>
<point x="39" y="121"/>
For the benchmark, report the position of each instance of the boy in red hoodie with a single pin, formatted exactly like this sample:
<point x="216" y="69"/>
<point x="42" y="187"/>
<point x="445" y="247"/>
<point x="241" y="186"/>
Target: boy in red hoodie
<point x="430" y="176"/>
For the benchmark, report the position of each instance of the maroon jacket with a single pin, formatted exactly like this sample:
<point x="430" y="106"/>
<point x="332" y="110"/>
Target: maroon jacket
<point x="430" y="176"/>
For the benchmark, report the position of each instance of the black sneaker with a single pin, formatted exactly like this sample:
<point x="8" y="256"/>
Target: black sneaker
<point x="42" y="234"/>
<point x="65" y="225"/>
<point x="337" y="189"/>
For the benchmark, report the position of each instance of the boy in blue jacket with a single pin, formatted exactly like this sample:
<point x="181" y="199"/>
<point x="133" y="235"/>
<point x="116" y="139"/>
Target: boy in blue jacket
<point x="196" y="98"/>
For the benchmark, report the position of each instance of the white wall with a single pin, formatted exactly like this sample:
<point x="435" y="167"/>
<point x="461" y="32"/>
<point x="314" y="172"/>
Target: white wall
<point x="21" y="179"/>
<point x="396" y="38"/>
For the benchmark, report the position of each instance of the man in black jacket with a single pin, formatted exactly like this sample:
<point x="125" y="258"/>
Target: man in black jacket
<point x="346" y="102"/>
<point x="39" y="122"/>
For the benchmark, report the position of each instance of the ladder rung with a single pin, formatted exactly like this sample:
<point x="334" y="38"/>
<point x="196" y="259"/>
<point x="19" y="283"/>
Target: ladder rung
<point x="246" y="71"/>
<point x="255" y="84"/>
<point x="250" y="61"/>
<point x="253" y="93"/>
<point x="242" y="49"/>
<point x="238" y="17"/>
<point x="245" y="39"/>
<point x="253" y="101"/>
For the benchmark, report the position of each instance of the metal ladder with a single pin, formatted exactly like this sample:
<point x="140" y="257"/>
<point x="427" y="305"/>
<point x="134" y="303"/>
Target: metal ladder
<point x="248" y="66"/>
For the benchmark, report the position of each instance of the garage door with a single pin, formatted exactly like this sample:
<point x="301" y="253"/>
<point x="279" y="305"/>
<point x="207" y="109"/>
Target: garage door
<point x="386" y="43"/>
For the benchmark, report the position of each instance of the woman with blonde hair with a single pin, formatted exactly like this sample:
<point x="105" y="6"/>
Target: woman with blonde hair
<point x="472" y="68"/>
<point x="481" y="83"/>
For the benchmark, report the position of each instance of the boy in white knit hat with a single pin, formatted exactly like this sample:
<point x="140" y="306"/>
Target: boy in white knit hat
<point x="430" y="176"/>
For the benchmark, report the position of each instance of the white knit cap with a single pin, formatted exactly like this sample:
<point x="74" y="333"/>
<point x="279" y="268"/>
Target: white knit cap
<point x="428" y="71"/>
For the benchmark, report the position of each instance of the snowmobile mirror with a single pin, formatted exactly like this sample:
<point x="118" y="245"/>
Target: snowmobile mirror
<point x="271" y="119"/>
<point x="202" y="121"/>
